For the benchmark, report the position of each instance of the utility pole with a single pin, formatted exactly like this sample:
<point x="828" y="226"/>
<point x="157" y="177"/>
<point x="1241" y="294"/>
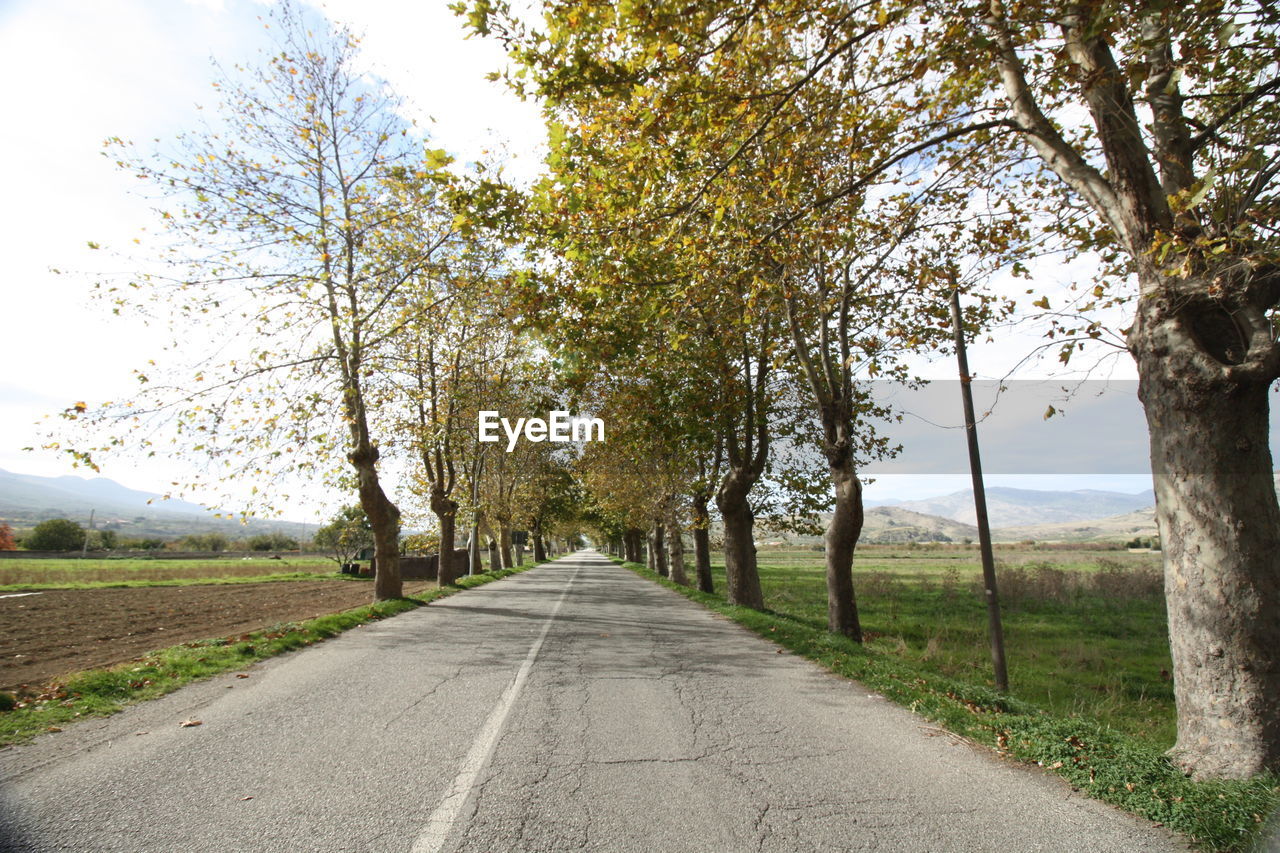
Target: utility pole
<point x="84" y="548"/>
<point x="995" y="630"/>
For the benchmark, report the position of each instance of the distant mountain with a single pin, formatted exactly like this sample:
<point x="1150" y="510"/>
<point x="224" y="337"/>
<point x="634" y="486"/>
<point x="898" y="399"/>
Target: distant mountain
<point x="891" y="524"/>
<point x="26" y="499"/>
<point x="1141" y="523"/>
<point x="22" y="493"/>
<point x="1008" y="507"/>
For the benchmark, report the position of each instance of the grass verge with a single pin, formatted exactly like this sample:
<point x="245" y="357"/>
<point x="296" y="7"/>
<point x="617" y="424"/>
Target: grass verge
<point x="101" y="692"/>
<point x="1223" y="816"/>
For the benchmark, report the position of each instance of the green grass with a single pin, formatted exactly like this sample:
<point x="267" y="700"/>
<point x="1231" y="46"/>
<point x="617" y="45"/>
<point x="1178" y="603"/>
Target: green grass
<point x="1110" y="753"/>
<point x="1084" y="635"/>
<point x="100" y="692"/>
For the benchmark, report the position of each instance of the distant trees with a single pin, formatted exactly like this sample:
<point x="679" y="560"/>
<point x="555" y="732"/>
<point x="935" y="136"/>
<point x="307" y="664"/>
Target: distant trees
<point x="7" y="542"/>
<point x="272" y="542"/>
<point x="215" y="542"/>
<point x="55" y="534"/>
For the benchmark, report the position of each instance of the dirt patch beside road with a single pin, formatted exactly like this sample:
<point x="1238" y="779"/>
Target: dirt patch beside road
<point x="46" y="636"/>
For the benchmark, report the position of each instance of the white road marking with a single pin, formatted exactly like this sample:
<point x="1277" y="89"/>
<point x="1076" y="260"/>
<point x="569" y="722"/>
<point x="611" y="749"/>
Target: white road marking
<point x="18" y="594"/>
<point x="432" y="837"/>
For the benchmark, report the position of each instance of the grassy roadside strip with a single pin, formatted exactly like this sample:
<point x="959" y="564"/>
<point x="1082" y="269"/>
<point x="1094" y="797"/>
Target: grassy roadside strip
<point x="282" y="576"/>
<point x="1105" y="764"/>
<point x="101" y="692"/>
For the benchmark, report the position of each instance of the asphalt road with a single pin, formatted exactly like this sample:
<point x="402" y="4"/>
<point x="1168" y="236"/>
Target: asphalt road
<point x="572" y="707"/>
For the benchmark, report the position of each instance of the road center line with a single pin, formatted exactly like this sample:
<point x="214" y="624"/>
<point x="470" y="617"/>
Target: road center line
<point x="432" y="837"/>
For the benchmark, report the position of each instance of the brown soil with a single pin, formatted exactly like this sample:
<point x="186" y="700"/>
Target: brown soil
<point x="57" y="632"/>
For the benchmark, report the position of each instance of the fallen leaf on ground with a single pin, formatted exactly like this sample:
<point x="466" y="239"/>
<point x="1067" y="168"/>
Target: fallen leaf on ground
<point x="250" y="797"/>
<point x="53" y="729"/>
<point x="242" y="675"/>
<point x="186" y="724"/>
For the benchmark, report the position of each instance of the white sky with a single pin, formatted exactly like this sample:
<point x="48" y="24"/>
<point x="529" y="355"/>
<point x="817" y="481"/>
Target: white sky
<point x="79" y="72"/>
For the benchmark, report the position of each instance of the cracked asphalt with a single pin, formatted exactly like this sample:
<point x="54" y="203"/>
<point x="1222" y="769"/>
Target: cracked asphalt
<point x="641" y="723"/>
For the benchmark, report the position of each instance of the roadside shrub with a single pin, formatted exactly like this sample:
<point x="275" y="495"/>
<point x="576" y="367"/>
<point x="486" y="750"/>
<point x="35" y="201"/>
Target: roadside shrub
<point x="1042" y="582"/>
<point x="1115" y="581"/>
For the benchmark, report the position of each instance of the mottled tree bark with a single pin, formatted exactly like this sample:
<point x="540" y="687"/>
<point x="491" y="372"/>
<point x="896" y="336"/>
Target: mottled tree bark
<point x="702" y="543"/>
<point x="742" y="575"/>
<point x="660" y="549"/>
<point x="675" y="550"/>
<point x="384" y="522"/>
<point x="504" y="542"/>
<point x="841" y="538"/>
<point x="446" y="513"/>
<point x="1220" y="535"/>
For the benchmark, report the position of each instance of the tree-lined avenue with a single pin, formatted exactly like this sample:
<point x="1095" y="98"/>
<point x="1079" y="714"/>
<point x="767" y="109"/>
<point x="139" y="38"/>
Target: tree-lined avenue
<point x="575" y="706"/>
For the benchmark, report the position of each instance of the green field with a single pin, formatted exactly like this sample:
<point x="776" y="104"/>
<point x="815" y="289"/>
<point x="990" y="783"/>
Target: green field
<point x="1084" y="630"/>
<point x="35" y="573"/>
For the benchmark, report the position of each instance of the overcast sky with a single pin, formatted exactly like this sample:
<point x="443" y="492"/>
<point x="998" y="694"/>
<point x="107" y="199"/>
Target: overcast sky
<point x="79" y="72"/>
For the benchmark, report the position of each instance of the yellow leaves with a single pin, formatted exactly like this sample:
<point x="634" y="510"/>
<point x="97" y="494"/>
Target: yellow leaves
<point x="1042" y="302"/>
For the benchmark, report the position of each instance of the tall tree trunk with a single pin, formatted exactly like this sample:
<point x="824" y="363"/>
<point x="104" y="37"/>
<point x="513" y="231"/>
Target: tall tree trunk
<point x="660" y="550"/>
<point x="384" y="521"/>
<point x="539" y="549"/>
<point x="675" y="549"/>
<point x="474" y="566"/>
<point x="1220" y="536"/>
<point x="702" y="543"/>
<point x="488" y="541"/>
<point x="841" y="538"/>
<point x="504" y="542"/>
<point x="742" y="576"/>
<point x="651" y="558"/>
<point x="446" y="512"/>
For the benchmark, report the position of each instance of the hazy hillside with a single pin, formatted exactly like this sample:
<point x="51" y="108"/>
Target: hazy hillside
<point x="1114" y="528"/>
<point x="889" y="524"/>
<point x="26" y="499"/>
<point x="1008" y="507"/>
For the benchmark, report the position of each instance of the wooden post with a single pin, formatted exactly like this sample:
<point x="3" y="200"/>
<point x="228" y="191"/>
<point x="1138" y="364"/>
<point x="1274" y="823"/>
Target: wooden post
<point x="84" y="547"/>
<point x="994" y="628"/>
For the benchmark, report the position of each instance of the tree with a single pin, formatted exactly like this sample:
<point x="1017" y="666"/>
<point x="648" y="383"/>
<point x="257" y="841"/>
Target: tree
<point x="55" y="534"/>
<point x="1161" y="126"/>
<point x="287" y="227"/>
<point x="346" y="534"/>
<point x="6" y="538"/>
